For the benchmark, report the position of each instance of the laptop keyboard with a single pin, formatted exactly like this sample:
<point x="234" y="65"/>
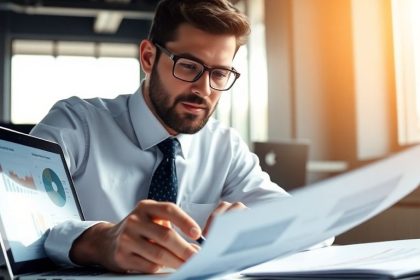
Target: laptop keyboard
<point x="75" y="272"/>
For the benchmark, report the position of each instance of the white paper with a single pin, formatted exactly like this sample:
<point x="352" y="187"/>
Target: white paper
<point x="241" y="239"/>
<point x="390" y="258"/>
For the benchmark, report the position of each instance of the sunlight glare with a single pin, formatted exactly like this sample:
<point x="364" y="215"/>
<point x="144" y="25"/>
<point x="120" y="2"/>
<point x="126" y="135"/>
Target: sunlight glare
<point x="38" y="81"/>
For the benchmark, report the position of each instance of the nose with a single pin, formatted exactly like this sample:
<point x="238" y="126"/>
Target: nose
<point x="202" y="85"/>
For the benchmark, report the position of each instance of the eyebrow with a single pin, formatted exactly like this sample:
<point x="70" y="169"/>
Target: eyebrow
<point x="190" y="56"/>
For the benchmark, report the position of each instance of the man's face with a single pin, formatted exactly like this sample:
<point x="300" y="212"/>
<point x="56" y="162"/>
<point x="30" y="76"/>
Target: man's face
<point x="185" y="107"/>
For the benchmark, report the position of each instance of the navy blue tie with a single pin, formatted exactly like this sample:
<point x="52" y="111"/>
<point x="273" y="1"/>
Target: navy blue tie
<point x="164" y="185"/>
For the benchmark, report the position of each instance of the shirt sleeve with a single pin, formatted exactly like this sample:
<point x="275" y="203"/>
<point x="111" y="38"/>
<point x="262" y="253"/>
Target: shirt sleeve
<point x="246" y="182"/>
<point x="65" y="126"/>
<point x="60" y="240"/>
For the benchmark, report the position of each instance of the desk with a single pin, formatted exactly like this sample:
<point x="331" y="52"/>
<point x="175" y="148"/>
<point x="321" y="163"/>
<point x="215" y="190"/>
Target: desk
<point x="327" y="166"/>
<point x="5" y="276"/>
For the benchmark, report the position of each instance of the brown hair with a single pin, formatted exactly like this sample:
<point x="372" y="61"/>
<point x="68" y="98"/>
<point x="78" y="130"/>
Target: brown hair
<point x="212" y="16"/>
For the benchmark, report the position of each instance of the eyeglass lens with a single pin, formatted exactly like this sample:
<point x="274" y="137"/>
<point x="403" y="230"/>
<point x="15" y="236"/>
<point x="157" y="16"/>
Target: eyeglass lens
<point x="189" y="70"/>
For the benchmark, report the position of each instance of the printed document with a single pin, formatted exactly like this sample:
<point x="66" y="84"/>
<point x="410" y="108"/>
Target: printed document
<point x="385" y="260"/>
<point x="241" y="239"/>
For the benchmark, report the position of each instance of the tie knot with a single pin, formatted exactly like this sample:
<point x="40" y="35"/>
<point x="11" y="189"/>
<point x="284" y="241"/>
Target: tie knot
<point x="169" y="147"/>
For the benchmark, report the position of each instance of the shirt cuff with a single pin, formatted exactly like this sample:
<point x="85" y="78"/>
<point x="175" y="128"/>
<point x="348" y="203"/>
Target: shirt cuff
<point x="60" y="240"/>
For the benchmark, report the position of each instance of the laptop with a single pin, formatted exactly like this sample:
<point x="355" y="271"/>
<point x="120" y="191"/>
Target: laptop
<point x="285" y="162"/>
<point x="36" y="193"/>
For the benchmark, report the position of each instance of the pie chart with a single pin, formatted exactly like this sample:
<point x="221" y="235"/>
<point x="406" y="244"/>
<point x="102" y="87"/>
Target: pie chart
<point x="54" y="187"/>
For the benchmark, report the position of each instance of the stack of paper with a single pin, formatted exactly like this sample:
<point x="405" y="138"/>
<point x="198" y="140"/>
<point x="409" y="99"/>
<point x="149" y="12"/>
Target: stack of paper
<point x="383" y="260"/>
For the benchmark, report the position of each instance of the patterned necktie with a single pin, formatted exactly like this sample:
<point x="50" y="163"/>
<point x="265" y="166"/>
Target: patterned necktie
<point x="164" y="185"/>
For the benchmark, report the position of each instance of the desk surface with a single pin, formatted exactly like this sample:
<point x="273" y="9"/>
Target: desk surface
<point x="4" y="275"/>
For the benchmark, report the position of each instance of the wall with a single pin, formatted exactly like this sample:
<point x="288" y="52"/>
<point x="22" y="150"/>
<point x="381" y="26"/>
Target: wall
<point x="281" y="107"/>
<point x="329" y="64"/>
<point x="331" y="80"/>
<point x="376" y="119"/>
<point x="311" y="79"/>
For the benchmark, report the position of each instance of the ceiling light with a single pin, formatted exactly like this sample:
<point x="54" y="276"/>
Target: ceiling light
<point x="107" y="22"/>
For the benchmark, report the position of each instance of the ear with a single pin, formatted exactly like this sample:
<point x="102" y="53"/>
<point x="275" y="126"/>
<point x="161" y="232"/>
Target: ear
<point x="147" y="56"/>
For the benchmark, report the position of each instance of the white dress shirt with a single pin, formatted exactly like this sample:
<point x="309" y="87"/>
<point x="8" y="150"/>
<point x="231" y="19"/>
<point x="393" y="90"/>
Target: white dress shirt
<point x="110" y="148"/>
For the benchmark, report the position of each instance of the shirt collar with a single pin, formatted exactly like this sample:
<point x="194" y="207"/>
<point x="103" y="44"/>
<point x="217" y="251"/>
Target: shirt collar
<point x="185" y="141"/>
<point x="149" y="131"/>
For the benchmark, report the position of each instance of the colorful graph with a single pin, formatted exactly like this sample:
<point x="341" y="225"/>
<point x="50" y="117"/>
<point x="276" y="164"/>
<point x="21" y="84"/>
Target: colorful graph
<point x="54" y="187"/>
<point x="17" y="183"/>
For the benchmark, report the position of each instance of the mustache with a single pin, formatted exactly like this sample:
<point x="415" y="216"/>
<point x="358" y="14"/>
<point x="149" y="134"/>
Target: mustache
<point x="192" y="98"/>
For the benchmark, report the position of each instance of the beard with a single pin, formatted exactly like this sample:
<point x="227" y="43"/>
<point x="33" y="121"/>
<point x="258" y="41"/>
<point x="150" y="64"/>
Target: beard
<point x="166" y="109"/>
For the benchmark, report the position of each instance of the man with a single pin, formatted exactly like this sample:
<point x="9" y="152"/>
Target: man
<point x="113" y="148"/>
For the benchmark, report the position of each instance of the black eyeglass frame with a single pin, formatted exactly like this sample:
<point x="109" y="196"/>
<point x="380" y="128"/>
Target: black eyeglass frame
<point x="175" y="58"/>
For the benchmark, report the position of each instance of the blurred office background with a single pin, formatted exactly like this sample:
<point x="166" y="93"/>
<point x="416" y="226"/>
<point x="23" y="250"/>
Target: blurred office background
<point x="342" y="76"/>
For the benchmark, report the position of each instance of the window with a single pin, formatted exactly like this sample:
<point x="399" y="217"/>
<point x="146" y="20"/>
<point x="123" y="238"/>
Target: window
<point x="407" y="60"/>
<point x="245" y="106"/>
<point x="45" y="72"/>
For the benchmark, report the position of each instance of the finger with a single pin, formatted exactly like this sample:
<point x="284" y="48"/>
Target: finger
<point x="157" y="254"/>
<point x="132" y="246"/>
<point x="236" y="206"/>
<point x="222" y="207"/>
<point x="174" y="214"/>
<point x="196" y="246"/>
<point x="141" y="226"/>
<point x="169" y="239"/>
<point x="137" y="264"/>
<point x="126" y="260"/>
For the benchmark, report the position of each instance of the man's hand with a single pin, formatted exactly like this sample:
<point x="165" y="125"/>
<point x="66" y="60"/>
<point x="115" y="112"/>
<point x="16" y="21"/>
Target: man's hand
<point x="222" y="208"/>
<point x="141" y="242"/>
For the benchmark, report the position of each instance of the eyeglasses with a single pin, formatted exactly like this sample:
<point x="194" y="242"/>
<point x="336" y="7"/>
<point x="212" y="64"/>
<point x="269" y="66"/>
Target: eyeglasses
<point x="188" y="70"/>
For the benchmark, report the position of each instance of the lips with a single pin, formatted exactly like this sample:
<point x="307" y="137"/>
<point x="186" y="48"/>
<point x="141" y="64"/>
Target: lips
<point x="193" y="107"/>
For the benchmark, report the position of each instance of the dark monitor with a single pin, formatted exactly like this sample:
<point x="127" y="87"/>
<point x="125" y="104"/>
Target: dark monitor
<point x="24" y="128"/>
<point x="285" y="162"/>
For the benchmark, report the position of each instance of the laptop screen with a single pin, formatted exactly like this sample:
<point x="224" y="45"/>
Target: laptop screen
<point x="285" y="162"/>
<point x="36" y="193"/>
